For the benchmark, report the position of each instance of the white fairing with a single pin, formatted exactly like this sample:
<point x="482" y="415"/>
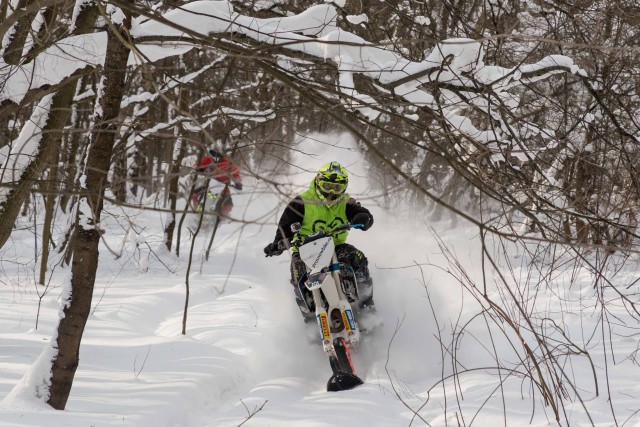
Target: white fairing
<point x="317" y="255"/>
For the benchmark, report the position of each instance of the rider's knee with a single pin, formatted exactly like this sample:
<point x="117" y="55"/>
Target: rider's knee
<point x="298" y="269"/>
<point x="360" y="264"/>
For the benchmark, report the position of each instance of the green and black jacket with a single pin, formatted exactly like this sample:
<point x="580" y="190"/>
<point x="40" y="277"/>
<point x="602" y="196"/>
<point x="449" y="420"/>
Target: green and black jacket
<point x="315" y="213"/>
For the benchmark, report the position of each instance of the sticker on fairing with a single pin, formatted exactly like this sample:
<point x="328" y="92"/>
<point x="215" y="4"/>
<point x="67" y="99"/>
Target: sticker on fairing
<point x="351" y="320"/>
<point x="313" y="285"/>
<point x="315" y="281"/>
<point x="347" y="324"/>
<point x="324" y="326"/>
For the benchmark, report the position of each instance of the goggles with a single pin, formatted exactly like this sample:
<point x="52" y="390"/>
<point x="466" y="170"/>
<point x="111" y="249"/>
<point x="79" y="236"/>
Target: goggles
<point x="332" y="187"/>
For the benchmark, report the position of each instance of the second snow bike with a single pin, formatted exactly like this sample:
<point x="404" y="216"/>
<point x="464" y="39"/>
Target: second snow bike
<point x="205" y="199"/>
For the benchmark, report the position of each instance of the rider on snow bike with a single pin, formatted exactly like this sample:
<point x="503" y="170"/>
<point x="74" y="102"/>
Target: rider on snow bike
<point x="325" y="206"/>
<point x="215" y="167"/>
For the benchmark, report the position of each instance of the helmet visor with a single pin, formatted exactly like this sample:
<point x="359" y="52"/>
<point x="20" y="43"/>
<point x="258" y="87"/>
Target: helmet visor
<point x="332" y="187"/>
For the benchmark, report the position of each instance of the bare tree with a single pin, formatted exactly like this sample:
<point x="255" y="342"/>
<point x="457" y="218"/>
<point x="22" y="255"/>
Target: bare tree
<point x="85" y="244"/>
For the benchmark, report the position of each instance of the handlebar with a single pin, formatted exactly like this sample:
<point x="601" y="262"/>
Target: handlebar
<point x="320" y="234"/>
<point x="284" y="244"/>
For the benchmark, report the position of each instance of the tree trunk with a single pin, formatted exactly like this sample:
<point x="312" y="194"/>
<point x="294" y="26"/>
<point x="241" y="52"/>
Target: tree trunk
<point x="174" y="177"/>
<point x="174" y="172"/>
<point x="15" y="43"/>
<point x="50" y="197"/>
<point x="87" y="238"/>
<point x="49" y="144"/>
<point x="120" y="171"/>
<point x="70" y="157"/>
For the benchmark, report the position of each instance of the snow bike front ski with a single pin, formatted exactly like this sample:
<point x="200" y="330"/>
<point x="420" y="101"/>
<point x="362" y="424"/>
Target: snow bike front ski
<point x="336" y="320"/>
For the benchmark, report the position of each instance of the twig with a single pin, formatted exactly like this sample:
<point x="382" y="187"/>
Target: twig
<point x="138" y="372"/>
<point x="386" y="369"/>
<point x="251" y="414"/>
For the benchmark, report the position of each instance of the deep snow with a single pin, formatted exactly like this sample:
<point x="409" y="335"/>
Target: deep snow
<point x="247" y="357"/>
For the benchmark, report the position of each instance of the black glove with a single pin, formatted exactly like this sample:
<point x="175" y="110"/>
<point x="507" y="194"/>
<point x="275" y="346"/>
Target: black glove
<point x="275" y="248"/>
<point x="362" y="218"/>
<point x="238" y="185"/>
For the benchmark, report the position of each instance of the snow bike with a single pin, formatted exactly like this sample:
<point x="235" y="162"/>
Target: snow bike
<point x="212" y="202"/>
<point x="325" y="281"/>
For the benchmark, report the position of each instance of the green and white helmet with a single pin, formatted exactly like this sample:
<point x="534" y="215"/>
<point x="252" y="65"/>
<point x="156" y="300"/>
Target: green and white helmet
<point x="332" y="180"/>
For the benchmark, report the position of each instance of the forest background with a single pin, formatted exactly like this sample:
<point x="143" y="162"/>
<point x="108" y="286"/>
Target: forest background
<point x="519" y="117"/>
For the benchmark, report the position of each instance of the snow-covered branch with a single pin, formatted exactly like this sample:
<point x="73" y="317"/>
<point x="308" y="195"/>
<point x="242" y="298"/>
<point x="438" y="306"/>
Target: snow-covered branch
<point x="17" y="156"/>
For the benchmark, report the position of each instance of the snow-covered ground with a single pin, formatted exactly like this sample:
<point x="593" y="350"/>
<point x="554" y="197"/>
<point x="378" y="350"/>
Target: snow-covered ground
<point x="248" y="359"/>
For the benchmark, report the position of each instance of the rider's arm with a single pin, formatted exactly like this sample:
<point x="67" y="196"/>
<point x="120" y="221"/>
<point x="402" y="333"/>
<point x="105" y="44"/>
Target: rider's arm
<point x="354" y="207"/>
<point x="294" y="212"/>
<point x="204" y="164"/>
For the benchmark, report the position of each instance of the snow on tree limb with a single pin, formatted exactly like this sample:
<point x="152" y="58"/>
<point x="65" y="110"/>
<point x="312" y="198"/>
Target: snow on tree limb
<point x="454" y="64"/>
<point x="454" y="68"/>
<point x="206" y="121"/>
<point x="15" y="157"/>
<point x="175" y="82"/>
<point x="52" y="66"/>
